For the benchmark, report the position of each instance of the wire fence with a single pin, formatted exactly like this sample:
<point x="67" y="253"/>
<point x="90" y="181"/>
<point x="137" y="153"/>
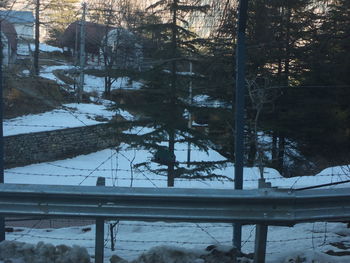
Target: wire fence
<point x="149" y="235"/>
<point x="138" y="243"/>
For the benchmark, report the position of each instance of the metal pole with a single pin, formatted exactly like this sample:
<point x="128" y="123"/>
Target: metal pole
<point x="260" y="243"/>
<point x="2" y="219"/>
<point x="239" y="115"/>
<point x="261" y="233"/>
<point x="100" y="230"/>
<point x="189" y="118"/>
<point x="82" y="55"/>
<point x="37" y="36"/>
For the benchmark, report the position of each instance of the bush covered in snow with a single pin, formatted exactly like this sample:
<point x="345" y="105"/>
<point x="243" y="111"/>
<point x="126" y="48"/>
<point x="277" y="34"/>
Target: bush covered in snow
<point x="165" y="254"/>
<point x="19" y="252"/>
<point x="312" y="257"/>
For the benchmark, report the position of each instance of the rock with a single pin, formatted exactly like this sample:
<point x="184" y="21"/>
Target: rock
<point x="224" y="254"/>
<point x="164" y="254"/>
<point x="117" y="259"/>
<point x="19" y="252"/>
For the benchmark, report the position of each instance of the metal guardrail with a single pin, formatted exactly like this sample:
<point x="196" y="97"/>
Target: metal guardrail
<point x="261" y="206"/>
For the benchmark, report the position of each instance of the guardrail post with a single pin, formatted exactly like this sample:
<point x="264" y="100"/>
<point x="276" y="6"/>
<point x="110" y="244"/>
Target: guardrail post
<point x="261" y="233"/>
<point x="100" y="230"/>
<point x="260" y="243"/>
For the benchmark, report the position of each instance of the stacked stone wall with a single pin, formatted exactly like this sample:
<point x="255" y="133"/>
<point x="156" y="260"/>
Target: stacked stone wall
<point x="24" y="149"/>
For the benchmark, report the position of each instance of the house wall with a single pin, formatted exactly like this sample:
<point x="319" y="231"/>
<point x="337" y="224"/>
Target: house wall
<point x="5" y="50"/>
<point x="25" y="31"/>
<point x="24" y="149"/>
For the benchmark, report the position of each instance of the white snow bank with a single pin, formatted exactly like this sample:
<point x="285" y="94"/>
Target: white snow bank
<point x="14" y="251"/>
<point x="97" y="84"/>
<point x="312" y="257"/>
<point x="47" y="72"/>
<point x="135" y="237"/>
<point x="117" y="166"/>
<point x="69" y="116"/>
<point x="184" y="73"/>
<point x="91" y="83"/>
<point x="48" y="48"/>
<point x="139" y="130"/>
<point x="23" y="49"/>
<point x="206" y="101"/>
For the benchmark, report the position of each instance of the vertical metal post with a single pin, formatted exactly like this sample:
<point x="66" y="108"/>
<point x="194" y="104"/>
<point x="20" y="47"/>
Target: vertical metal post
<point x="82" y="54"/>
<point x="261" y="233"/>
<point x="2" y="219"/>
<point x="239" y="115"/>
<point x="37" y="36"/>
<point x="260" y="243"/>
<point x="189" y="117"/>
<point x="100" y="230"/>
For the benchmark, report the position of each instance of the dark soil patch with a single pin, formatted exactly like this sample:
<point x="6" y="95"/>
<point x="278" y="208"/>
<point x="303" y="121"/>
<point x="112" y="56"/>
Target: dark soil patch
<point x="338" y="254"/>
<point x="31" y="95"/>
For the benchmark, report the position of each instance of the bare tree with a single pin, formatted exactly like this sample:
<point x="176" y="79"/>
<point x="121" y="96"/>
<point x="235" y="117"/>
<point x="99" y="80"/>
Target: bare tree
<point x="260" y="95"/>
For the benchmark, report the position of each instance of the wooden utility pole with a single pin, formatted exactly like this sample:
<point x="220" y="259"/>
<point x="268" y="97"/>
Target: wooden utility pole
<point x="82" y="54"/>
<point x="37" y="36"/>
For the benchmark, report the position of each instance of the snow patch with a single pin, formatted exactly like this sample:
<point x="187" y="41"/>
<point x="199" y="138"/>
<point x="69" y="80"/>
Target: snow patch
<point x="69" y="116"/>
<point x="312" y="257"/>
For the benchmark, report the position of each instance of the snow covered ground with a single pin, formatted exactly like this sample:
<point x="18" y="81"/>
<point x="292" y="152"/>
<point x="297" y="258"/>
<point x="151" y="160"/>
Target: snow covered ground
<point x="309" y="241"/>
<point x="23" y="49"/>
<point x="69" y="116"/>
<point x="91" y="83"/>
<point x="206" y="101"/>
<point x="134" y="237"/>
<point x="96" y="84"/>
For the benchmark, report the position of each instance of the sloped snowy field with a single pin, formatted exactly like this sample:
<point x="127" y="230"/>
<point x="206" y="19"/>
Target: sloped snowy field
<point x="132" y="238"/>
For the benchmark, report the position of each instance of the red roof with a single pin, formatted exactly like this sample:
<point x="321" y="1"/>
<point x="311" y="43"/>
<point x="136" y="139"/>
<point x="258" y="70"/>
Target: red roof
<point x="93" y="37"/>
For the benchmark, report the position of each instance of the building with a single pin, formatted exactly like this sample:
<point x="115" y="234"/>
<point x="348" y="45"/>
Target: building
<point x="9" y="43"/>
<point x="94" y="34"/>
<point x="23" y="21"/>
<point x="122" y="49"/>
<point x="117" y="45"/>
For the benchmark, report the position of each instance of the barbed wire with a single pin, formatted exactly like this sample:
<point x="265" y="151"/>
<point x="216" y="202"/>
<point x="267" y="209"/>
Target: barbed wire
<point x="166" y="241"/>
<point x="161" y="179"/>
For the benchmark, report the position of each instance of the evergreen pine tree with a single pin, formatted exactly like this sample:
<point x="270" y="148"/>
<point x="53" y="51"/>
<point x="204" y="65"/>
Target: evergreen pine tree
<point x="162" y="102"/>
<point x="60" y="13"/>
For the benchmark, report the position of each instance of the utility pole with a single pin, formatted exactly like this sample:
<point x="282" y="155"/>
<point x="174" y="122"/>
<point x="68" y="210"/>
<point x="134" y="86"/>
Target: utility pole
<point x="2" y="219"/>
<point x="37" y="36"/>
<point x="82" y="55"/>
<point x="239" y="110"/>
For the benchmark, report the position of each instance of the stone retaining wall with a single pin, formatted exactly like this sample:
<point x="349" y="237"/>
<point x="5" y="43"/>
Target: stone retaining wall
<point x="47" y="146"/>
